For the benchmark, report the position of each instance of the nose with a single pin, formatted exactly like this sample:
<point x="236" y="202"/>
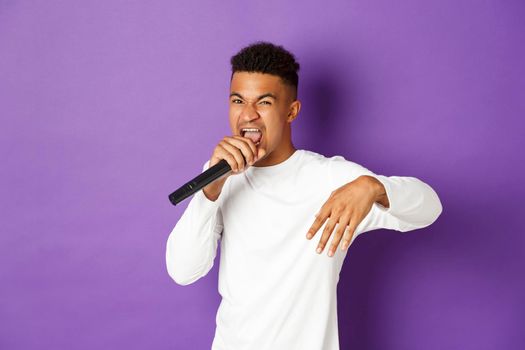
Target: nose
<point x="249" y="113"/>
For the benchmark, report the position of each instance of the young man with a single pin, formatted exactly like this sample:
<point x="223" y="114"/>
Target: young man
<point x="277" y="292"/>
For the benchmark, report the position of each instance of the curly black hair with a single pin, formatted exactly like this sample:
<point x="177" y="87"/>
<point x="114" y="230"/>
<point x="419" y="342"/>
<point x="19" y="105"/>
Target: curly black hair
<point x="265" y="57"/>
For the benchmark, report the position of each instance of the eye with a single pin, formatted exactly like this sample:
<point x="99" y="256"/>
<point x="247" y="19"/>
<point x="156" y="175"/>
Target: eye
<point x="268" y="103"/>
<point x="236" y="100"/>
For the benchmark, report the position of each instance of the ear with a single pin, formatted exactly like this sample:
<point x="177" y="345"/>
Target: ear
<point x="295" y="107"/>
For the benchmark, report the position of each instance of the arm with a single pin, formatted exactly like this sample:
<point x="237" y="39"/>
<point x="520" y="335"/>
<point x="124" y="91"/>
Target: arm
<point x="363" y="201"/>
<point x="192" y="244"/>
<point x="410" y="203"/>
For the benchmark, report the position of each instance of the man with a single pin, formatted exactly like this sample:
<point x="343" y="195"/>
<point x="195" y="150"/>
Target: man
<point x="277" y="293"/>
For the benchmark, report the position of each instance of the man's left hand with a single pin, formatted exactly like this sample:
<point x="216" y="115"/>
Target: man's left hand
<point x="347" y="206"/>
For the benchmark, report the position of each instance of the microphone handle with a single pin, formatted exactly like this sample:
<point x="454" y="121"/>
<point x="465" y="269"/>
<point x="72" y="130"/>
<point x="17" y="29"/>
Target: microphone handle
<point x="210" y="175"/>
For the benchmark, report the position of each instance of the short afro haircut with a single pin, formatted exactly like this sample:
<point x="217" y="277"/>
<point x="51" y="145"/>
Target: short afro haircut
<point x="265" y="57"/>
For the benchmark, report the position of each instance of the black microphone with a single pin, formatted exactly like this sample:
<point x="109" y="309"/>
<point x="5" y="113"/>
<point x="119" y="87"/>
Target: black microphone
<point x="210" y="175"/>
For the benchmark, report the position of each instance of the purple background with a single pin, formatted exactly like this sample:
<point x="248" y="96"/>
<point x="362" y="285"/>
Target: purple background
<point x="108" y="106"/>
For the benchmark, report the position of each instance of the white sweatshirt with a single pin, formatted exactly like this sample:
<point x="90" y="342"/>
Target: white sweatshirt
<point x="277" y="292"/>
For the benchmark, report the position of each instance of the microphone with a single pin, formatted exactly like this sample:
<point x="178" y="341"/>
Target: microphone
<point x="210" y="175"/>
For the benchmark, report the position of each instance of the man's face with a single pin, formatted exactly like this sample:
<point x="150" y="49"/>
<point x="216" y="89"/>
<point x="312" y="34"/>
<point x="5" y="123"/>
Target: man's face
<point x="262" y="101"/>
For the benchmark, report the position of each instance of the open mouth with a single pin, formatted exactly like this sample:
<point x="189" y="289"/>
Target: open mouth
<point x="253" y="134"/>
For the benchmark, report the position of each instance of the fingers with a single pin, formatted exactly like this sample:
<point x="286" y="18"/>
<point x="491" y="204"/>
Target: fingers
<point x="247" y="147"/>
<point x="347" y="238"/>
<point x="232" y="155"/>
<point x="256" y="152"/>
<point x="221" y="153"/>
<point x="319" y="221"/>
<point x="261" y="152"/>
<point x="341" y="226"/>
<point x="237" y="151"/>
<point x="339" y="220"/>
<point x="329" y="227"/>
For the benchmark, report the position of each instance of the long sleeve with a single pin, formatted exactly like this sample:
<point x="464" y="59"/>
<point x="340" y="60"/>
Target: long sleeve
<point x="192" y="244"/>
<point x="413" y="204"/>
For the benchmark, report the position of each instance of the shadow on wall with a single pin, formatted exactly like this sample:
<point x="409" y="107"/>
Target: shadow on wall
<point x="415" y="287"/>
<point x="329" y="111"/>
<point x="412" y="288"/>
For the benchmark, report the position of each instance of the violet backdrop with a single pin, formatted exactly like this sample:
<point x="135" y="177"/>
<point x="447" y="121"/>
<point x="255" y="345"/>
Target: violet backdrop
<point x="108" y="106"/>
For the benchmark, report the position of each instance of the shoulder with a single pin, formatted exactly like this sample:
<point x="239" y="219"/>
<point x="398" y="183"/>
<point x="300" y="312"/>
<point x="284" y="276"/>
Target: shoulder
<point x="313" y="158"/>
<point x="333" y="163"/>
<point x="336" y="170"/>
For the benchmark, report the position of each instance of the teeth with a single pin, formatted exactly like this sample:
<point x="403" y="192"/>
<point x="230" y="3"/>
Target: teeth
<point x="243" y="131"/>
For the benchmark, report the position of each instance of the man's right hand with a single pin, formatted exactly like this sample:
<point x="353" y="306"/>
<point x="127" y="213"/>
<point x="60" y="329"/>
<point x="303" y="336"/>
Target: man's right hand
<point x="240" y="153"/>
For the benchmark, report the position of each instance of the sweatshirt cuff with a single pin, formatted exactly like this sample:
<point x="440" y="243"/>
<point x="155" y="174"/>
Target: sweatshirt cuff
<point x="199" y="199"/>
<point x="202" y="203"/>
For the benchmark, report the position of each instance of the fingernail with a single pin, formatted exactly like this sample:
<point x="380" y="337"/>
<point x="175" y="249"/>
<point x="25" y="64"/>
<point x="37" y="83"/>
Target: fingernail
<point x="309" y="236"/>
<point x="331" y="253"/>
<point x="345" y="245"/>
<point x="318" y="250"/>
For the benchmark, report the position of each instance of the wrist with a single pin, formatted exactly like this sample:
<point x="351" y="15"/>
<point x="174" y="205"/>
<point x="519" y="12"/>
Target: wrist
<point x="213" y="190"/>
<point x="211" y="196"/>
<point x="378" y="191"/>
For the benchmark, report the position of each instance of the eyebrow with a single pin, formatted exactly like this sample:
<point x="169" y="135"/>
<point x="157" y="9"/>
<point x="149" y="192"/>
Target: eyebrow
<point x="268" y="94"/>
